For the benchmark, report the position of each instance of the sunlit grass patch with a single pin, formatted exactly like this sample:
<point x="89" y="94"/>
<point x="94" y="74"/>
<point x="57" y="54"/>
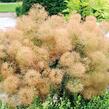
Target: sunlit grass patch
<point x="9" y="7"/>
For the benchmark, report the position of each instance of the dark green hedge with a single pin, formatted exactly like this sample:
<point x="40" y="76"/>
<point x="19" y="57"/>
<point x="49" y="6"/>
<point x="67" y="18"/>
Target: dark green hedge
<point x="52" y="6"/>
<point x="8" y="0"/>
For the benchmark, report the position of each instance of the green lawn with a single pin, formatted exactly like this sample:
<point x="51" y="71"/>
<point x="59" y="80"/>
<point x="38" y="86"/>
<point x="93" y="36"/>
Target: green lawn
<point x="9" y="7"/>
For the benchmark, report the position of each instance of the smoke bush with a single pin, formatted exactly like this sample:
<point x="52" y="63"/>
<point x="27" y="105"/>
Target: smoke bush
<point x="42" y="51"/>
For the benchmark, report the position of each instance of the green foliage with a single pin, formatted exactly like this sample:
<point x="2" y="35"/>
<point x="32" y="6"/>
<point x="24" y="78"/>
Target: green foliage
<point x="51" y="103"/>
<point x="97" y="8"/>
<point x="74" y="102"/>
<point x="4" y="106"/>
<point x="52" y="6"/>
<point x="99" y="102"/>
<point x="19" y="11"/>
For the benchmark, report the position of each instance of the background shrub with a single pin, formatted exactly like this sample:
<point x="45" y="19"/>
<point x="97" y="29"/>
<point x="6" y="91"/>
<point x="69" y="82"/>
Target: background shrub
<point x="19" y="11"/>
<point x="98" y="8"/>
<point x="52" y="6"/>
<point x="8" y="0"/>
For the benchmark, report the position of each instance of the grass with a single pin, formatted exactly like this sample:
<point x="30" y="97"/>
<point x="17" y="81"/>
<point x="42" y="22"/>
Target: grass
<point x="9" y="7"/>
